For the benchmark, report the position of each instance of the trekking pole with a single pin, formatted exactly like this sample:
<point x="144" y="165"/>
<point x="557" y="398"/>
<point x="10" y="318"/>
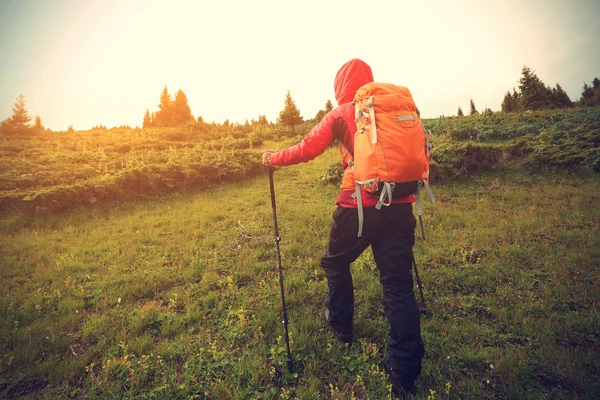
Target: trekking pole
<point x="289" y="360"/>
<point x="422" y="228"/>
<point x="424" y="310"/>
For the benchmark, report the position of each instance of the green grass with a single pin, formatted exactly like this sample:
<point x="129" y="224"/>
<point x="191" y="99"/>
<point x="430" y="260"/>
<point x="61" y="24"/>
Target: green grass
<point x="178" y="296"/>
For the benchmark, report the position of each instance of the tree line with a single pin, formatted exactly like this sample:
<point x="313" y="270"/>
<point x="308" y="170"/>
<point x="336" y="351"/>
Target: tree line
<point x="176" y="112"/>
<point x="532" y="94"/>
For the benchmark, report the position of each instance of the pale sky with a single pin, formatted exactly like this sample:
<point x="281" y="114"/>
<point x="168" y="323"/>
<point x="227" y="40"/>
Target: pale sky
<point x="89" y="62"/>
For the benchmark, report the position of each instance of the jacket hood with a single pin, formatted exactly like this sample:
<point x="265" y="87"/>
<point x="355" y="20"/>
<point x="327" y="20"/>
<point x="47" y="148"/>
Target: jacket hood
<point x="349" y="78"/>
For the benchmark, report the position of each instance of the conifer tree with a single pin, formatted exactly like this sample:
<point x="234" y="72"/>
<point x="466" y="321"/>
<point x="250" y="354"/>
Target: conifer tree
<point x="147" y="123"/>
<point x="514" y="101"/>
<point x="181" y="113"/>
<point x="534" y="95"/>
<point x="473" y="109"/>
<point x="262" y="120"/>
<point x="19" y="121"/>
<point x="586" y="93"/>
<point x="560" y="98"/>
<point x="590" y="95"/>
<point x="507" y="103"/>
<point x="596" y="87"/>
<point x="290" y="115"/>
<point x="163" y="116"/>
<point x="460" y="112"/>
<point x="38" y="124"/>
<point x="322" y="113"/>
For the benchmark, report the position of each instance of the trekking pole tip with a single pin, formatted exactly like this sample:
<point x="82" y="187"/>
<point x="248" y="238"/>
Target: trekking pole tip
<point x="425" y="311"/>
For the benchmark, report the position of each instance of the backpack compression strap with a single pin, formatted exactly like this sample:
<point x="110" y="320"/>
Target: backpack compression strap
<point x="386" y="194"/>
<point x="361" y="217"/>
<point x="430" y="197"/>
<point x="373" y="125"/>
<point x="358" y="113"/>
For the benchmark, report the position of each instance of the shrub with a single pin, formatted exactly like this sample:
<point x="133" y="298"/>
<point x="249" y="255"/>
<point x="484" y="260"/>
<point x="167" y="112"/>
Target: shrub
<point x="575" y="147"/>
<point x="452" y="158"/>
<point x="63" y="171"/>
<point x="333" y="174"/>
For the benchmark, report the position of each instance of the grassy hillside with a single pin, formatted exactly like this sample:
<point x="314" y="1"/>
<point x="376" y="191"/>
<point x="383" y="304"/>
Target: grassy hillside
<point x="53" y="171"/>
<point x="178" y="297"/>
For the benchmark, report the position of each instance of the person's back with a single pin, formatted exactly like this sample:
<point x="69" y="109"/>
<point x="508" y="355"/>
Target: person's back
<point x="389" y="231"/>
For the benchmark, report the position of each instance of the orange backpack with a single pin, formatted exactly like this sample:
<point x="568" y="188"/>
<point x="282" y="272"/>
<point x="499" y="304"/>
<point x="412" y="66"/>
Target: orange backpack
<point x="391" y="146"/>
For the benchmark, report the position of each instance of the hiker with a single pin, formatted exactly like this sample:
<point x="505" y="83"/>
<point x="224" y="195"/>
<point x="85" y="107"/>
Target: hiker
<point x="388" y="230"/>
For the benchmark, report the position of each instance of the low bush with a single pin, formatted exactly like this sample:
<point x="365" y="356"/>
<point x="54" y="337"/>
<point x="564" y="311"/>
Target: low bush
<point x="501" y="126"/>
<point x="578" y="147"/>
<point x="59" y="171"/>
<point x="451" y="158"/>
<point x="535" y="140"/>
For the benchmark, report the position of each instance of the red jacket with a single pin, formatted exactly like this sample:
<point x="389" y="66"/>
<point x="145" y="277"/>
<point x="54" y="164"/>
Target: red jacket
<point x="337" y="124"/>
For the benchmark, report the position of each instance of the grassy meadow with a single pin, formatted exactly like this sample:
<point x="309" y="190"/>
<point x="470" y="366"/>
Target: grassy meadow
<point x="177" y="296"/>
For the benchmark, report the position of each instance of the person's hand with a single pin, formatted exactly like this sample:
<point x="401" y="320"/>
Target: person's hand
<point x="266" y="157"/>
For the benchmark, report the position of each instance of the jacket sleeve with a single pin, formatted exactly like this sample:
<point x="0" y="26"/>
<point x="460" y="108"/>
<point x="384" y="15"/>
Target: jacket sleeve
<point x="314" y="143"/>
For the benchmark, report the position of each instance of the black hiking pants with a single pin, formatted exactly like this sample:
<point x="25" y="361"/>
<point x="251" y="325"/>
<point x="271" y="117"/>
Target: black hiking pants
<point x="390" y="233"/>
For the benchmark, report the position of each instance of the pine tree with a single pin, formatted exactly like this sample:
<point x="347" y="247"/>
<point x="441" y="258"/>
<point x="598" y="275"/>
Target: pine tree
<point x="163" y="116"/>
<point x="322" y="113"/>
<point x="590" y="95"/>
<point x="473" y="109"/>
<point x="38" y="124"/>
<point x="460" y="112"/>
<point x="514" y="101"/>
<point x="507" y="103"/>
<point x="20" y="117"/>
<point x="262" y="120"/>
<point x="587" y="95"/>
<point x="534" y="95"/>
<point x="596" y="87"/>
<point x="147" y="120"/>
<point x="290" y="115"/>
<point x="560" y="98"/>
<point x="181" y="113"/>
<point x="19" y="121"/>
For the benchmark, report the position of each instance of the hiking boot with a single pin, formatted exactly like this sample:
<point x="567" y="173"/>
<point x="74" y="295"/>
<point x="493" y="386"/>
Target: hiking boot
<point x="402" y="390"/>
<point x="399" y="393"/>
<point x="342" y="335"/>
